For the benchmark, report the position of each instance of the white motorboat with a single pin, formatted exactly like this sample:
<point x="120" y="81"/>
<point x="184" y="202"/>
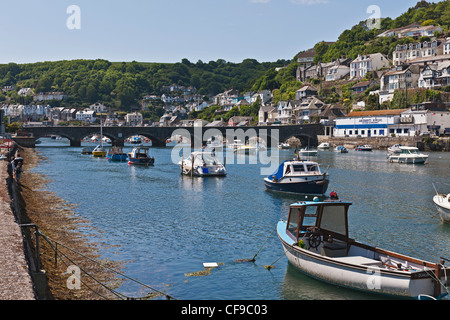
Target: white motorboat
<point x="442" y="203"/>
<point x="408" y="155"/>
<point x="284" y="145"/>
<point x="395" y="148"/>
<point x="298" y="176"/>
<point x="324" y="146"/>
<point x="306" y="152"/>
<point x="316" y="241"/>
<point x="341" y="149"/>
<point x="202" y="164"/>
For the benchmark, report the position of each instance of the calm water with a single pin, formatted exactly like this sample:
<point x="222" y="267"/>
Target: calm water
<point x="165" y="225"/>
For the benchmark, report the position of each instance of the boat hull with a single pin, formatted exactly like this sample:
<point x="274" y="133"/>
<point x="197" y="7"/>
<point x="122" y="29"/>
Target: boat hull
<point x="314" y="185"/>
<point x="342" y="272"/>
<point x="143" y="162"/>
<point x="443" y="211"/>
<point x="408" y="160"/>
<point x="117" y="157"/>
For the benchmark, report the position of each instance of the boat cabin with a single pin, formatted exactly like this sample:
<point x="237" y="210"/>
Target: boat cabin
<point x="310" y="222"/>
<point x="296" y="168"/>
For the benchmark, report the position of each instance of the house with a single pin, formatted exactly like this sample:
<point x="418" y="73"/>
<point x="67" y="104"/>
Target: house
<point x="47" y="96"/>
<point x="228" y="97"/>
<point x="200" y="123"/>
<point x="367" y="123"/>
<point x="446" y="47"/>
<point x="134" y="119"/>
<point x="337" y="72"/>
<point x="216" y="123"/>
<point x="367" y="63"/>
<point x="239" y="121"/>
<point x="425" y="117"/>
<point x="305" y="91"/>
<point x="435" y="75"/>
<point x="307" y="109"/>
<point x="361" y="86"/>
<point x="267" y="115"/>
<point x="98" y="107"/>
<point x="413" y="30"/>
<point x="264" y="96"/>
<point x="398" y="78"/>
<point x="88" y="116"/>
<point x="305" y="60"/>
<point x="25" y="92"/>
<point x="285" y="113"/>
<point x="405" y="53"/>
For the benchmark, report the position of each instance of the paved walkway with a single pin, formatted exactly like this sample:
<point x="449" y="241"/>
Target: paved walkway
<point x="15" y="281"/>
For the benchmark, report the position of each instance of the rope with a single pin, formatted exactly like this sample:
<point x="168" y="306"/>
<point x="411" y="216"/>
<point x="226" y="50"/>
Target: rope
<point x="271" y="265"/>
<point x="256" y="254"/>
<point x="100" y="264"/>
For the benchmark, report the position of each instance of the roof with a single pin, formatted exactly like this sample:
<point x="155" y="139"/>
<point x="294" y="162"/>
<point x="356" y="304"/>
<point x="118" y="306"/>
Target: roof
<point x="392" y="112"/>
<point x="363" y="84"/>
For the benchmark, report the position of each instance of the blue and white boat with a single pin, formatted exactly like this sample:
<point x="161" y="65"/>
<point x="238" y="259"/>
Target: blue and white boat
<point x="340" y="149"/>
<point x="298" y="176"/>
<point x="202" y="164"/>
<point x="116" y="154"/>
<point x="316" y="241"/>
<point x="140" y="156"/>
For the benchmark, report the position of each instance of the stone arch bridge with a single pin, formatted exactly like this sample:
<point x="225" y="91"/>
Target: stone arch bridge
<point x="159" y="135"/>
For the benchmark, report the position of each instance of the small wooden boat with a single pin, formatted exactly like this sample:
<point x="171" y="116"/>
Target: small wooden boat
<point x="202" y="164"/>
<point x="116" y="154"/>
<point x="409" y="155"/>
<point x="316" y="241"/>
<point x="140" y="156"/>
<point x="298" y="176"/>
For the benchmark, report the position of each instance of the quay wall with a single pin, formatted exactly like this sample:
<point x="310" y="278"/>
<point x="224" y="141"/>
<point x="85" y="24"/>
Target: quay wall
<point x="19" y="277"/>
<point x="383" y="143"/>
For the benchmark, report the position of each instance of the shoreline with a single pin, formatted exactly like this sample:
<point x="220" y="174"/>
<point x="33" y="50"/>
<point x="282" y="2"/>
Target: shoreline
<point x="59" y="223"/>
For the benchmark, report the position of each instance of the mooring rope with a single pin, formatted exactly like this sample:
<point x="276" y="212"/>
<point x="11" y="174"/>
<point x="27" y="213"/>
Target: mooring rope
<point x="49" y="240"/>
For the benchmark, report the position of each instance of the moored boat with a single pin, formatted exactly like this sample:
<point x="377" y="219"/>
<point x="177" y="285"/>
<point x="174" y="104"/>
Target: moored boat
<point x="316" y="241"/>
<point x="306" y="152"/>
<point x="116" y="154"/>
<point x="442" y="203"/>
<point x="298" y="176"/>
<point x="365" y="147"/>
<point x="324" y="146"/>
<point x="341" y="149"/>
<point x="284" y="145"/>
<point x="409" y="155"/>
<point x="202" y="164"/>
<point x="99" y="152"/>
<point x="140" y="156"/>
<point x="395" y="148"/>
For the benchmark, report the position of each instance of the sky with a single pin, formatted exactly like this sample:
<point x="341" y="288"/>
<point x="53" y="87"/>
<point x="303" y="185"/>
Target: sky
<point x="170" y="30"/>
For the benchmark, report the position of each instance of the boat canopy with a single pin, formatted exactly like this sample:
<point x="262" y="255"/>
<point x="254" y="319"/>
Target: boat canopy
<point x="295" y="167"/>
<point x="327" y="217"/>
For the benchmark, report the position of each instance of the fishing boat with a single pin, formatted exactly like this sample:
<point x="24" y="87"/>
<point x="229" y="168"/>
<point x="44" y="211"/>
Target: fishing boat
<point x="340" y="149"/>
<point x="324" y="146"/>
<point x="316" y="241"/>
<point x="395" y="148"/>
<point x="306" y="152"/>
<point x="116" y="154"/>
<point x="365" y="147"/>
<point x="298" y="176"/>
<point x="140" y="156"/>
<point x="202" y="164"/>
<point x="408" y="155"/>
<point x="135" y="140"/>
<point x="99" y="151"/>
<point x="87" y="150"/>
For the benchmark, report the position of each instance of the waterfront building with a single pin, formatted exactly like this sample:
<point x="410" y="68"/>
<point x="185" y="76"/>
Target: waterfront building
<point x="367" y="123"/>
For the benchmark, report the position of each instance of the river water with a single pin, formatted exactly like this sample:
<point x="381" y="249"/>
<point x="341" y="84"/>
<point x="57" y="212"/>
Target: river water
<point x="164" y="225"/>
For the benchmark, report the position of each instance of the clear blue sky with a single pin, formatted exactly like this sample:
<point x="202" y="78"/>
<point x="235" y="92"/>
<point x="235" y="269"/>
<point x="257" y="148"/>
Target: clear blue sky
<point x="170" y="30"/>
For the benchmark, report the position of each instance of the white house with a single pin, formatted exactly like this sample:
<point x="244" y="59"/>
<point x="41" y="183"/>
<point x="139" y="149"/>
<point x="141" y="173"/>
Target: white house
<point x="285" y="112"/>
<point x="407" y="52"/>
<point x="98" y="107"/>
<point x="367" y="63"/>
<point x="446" y="47"/>
<point x="424" y="118"/>
<point x="435" y="75"/>
<point x="134" y="119"/>
<point x="264" y="95"/>
<point x="337" y="73"/>
<point x="87" y="115"/>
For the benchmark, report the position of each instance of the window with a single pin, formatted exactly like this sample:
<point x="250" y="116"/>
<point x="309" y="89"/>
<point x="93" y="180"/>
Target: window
<point x="312" y="167"/>
<point x="298" y="168"/>
<point x="333" y="219"/>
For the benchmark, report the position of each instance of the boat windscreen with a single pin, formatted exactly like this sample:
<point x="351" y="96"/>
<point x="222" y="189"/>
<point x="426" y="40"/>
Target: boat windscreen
<point x="334" y="219"/>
